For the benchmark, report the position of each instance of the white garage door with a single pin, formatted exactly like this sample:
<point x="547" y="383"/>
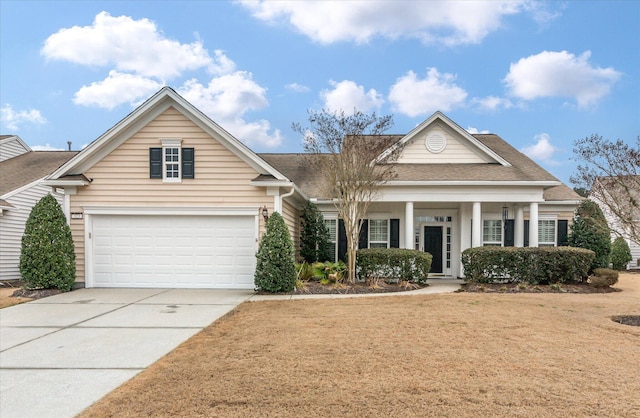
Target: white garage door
<point x="173" y="251"/>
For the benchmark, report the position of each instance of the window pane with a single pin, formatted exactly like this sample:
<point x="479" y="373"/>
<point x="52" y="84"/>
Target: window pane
<point x="547" y="231"/>
<point x="331" y="226"/>
<point x="378" y="231"/>
<point x="492" y="231"/>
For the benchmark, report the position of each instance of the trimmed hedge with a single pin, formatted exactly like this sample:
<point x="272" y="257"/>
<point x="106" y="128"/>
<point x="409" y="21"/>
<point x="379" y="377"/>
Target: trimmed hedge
<point x="275" y="264"/>
<point x="393" y="263"/>
<point x="47" y="257"/>
<point x="603" y="278"/>
<point x="533" y="265"/>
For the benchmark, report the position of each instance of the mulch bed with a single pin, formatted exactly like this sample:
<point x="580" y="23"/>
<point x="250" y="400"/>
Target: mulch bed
<point x="315" y="288"/>
<point x="633" y="320"/>
<point x="27" y="293"/>
<point x="527" y="288"/>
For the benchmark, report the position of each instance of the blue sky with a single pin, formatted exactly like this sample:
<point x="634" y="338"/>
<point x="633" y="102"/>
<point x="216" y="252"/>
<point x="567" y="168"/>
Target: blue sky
<point x="539" y="74"/>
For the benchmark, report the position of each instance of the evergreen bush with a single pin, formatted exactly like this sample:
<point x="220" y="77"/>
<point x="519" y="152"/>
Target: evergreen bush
<point x="275" y="266"/>
<point x="590" y="231"/>
<point x="47" y="257"/>
<point x="393" y="263"/>
<point x="603" y="278"/>
<point x="620" y="254"/>
<point x="533" y="265"/>
<point x="314" y="236"/>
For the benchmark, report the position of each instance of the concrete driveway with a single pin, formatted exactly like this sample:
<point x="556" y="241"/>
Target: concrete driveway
<point x="60" y="354"/>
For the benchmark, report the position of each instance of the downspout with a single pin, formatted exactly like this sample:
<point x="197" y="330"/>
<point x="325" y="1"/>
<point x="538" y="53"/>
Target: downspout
<point x="288" y="194"/>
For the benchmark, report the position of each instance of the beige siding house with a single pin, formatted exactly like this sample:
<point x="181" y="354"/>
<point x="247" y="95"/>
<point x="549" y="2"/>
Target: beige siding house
<point x="167" y="198"/>
<point x="22" y="173"/>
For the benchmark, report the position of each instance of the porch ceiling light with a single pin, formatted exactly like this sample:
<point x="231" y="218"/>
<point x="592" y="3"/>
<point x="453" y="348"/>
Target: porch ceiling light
<point x="505" y="215"/>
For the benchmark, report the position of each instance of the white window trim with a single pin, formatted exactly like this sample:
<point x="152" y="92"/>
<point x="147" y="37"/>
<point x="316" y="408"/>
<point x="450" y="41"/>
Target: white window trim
<point x="555" y="232"/>
<point x="493" y="243"/>
<point x="370" y="241"/>
<point x="171" y="143"/>
<point x="335" y="231"/>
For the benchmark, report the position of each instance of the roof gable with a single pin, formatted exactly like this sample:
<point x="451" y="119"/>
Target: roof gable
<point x="12" y="146"/>
<point x="439" y="140"/>
<point x="143" y="115"/>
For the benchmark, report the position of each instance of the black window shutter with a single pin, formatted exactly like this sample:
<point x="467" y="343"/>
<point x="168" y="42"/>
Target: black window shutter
<point x="526" y="233"/>
<point x="363" y="239"/>
<point x="563" y="230"/>
<point x="155" y="163"/>
<point x="509" y="233"/>
<point x="394" y="229"/>
<point x="188" y="166"/>
<point x="342" y="241"/>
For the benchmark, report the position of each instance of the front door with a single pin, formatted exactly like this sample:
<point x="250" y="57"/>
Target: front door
<point x="433" y="245"/>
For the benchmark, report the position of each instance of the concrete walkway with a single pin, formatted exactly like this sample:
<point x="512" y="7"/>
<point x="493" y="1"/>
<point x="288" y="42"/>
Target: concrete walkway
<point x="60" y="354"/>
<point x="435" y="286"/>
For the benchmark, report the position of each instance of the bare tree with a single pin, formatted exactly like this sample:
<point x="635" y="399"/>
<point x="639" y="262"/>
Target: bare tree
<point x="611" y="172"/>
<point x="347" y="152"/>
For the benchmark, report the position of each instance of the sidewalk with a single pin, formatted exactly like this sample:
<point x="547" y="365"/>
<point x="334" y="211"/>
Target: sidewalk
<point x="435" y="286"/>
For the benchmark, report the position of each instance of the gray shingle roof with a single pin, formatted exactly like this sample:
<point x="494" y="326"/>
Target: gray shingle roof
<point x="299" y="169"/>
<point x="30" y="166"/>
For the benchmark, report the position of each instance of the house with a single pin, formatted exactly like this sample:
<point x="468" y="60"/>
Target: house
<point x="167" y="198"/>
<point x="605" y="190"/>
<point x="22" y="173"/>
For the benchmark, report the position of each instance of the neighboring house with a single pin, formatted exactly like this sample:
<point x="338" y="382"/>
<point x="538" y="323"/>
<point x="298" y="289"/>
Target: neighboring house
<point x="22" y="172"/>
<point x="167" y="198"/>
<point x="617" y="228"/>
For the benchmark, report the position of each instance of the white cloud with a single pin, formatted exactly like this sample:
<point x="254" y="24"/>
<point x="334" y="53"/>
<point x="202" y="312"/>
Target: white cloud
<point x="473" y="130"/>
<point x="560" y="74"/>
<point x="447" y="22"/>
<point x="542" y="149"/>
<point x="226" y="99"/>
<point x="297" y="88"/>
<point x="13" y="119"/>
<point x="116" y="89"/>
<point x="413" y="96"/>
<point x="131" y="46"/>
<point x="46" y="147"/>
<point x="491" y="103"/>
<point x="346" y="95"/>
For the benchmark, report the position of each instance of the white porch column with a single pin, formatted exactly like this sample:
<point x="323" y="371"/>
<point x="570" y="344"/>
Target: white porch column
<point x="408" y="225"/>
<point x="476" y="225"/>
<point x="518" y="233"/>
<point x="533" y="224"/>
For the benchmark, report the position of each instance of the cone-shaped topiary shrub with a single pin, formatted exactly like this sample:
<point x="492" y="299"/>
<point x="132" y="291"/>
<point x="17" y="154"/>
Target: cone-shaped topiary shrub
<point x="275" y="266"/>
<point x="314" y="236"/>
<point x="620" y="254"/>
<point x="47" y="259"/>
<point x="590" y="231"/>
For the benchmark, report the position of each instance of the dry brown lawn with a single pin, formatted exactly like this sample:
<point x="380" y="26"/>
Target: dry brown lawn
<point x="7" y="300"/>
<point x="450" y="355"/>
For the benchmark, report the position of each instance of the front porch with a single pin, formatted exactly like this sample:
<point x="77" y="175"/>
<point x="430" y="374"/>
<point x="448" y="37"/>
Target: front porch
<point x="446" y="229"/>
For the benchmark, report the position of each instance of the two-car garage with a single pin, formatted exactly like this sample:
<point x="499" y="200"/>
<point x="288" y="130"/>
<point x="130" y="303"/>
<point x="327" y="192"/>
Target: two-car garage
<point x="171" y="251"/>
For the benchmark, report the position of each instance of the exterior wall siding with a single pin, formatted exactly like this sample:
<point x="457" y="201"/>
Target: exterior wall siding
<point x="455" y="151"/>
<point x="291" y="217"/>
<point x="10" y="149"/>
<point x="12" y="224"/>
<point x="122" y="177"/>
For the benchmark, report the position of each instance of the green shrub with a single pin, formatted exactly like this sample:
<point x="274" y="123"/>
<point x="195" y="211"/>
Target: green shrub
<point x="533" y="265"/>
<point x="314" y="236"/>
<point x="603" y="278"/>
<point x="590" y="230"/>
<point x="275" y="266"/>
<point x="620" y="254"/>
<point x="47" y="257"/>
<point x="393" y="263"/>
<point x="305" y="272"/>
